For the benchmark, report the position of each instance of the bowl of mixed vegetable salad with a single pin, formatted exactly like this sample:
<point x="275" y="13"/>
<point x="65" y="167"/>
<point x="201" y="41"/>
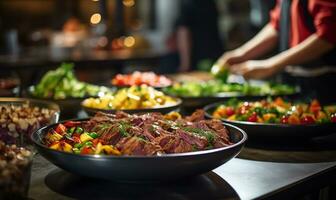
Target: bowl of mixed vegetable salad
<point x="135" y="99"/>
<point x="62" y="86"/>
<point x="206" y="92"/>
<point x="276" y="117"/>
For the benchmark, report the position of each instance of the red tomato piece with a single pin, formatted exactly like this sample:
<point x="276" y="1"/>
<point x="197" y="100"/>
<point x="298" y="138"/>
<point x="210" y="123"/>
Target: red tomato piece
<point x="293" y="119"/>
<point x="61" y="129"/>
<point x="95" y="142"/>
<point x="253" y="118"/>
<point x="70" y="124"/>
<point x="315" y="106"/>
<point x="86" y="150"/>
<point x="284" y="119"/>
<point x="229" y="111"/>
<point x="307" y="120"/>
<point x="333" y="118"/>
<point x="76" y="138"/>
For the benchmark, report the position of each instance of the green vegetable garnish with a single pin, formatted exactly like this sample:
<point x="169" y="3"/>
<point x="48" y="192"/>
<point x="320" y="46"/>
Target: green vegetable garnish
<point x="209" y="135"/>
<point x="216" y="87"/>
<point x="123" y="127"/>
<point x="79" y="130"/>
<point x="76" y="150"/>
<point x="94" y="135"/>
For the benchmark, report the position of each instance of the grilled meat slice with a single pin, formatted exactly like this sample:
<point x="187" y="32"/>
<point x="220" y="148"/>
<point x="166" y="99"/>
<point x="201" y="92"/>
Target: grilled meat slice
<point x="193" y="139"/>
<point x="138" y="146"/>
<point x="198" y="115"/>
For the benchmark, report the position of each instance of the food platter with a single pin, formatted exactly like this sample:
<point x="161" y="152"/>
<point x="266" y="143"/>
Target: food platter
<point x="62" y="87"/>
<point x="26" y="115"/>
<point x="33" y="102"/>
<point x="142" y="168"/>
<point x="135" y="99"/>
<point x="276" y="131"/>
<point x="161" y="109"/>
<point x="141" y="78"/>
<point x="201" y="94"/>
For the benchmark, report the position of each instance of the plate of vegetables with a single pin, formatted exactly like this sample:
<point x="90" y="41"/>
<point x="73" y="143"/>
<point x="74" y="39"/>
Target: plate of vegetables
<point x="206" y="92"/>
<point x="136" y="99"/>
<point x="139" y="147"/>
<point x="141" y="78"/>
<point x="276" y="117"/>
<point x="62" y="86"/>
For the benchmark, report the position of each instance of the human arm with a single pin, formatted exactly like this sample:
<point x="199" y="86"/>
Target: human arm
<point x="259" y="45"/>
<point x="184" y="48"/>
<point x="311" y="48"/>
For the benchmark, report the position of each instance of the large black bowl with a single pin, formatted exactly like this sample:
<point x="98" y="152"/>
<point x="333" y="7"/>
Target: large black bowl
<point x="276" y="131"/>
<point x="162" y="109"/>
<point x="142" y="168"/>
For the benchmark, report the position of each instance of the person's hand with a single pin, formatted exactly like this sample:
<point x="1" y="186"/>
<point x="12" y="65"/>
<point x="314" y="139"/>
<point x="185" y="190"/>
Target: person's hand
<point x="255" y="69"/>
<point x="230" y="58"/>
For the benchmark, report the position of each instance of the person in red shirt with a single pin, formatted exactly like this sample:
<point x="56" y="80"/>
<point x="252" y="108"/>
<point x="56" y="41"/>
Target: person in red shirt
<point x="304" y="31"/>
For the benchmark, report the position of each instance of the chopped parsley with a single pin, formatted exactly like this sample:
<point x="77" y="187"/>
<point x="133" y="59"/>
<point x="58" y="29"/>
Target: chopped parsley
<point x="209" y="135"/>
<point x="123" y="127"/>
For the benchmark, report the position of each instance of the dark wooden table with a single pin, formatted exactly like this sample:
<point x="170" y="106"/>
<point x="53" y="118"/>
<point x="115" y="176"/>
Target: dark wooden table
<point x="237" y="179"/>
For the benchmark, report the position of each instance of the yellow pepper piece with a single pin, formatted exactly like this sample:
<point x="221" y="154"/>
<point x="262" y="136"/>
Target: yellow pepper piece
<point x="65" y="147"/>
<point x="107" y="149"/>
<point x="53" y="137"/>
<point x="232" y="118"/>
<point x="55" y="146"/>
<point x="85" y="137"/>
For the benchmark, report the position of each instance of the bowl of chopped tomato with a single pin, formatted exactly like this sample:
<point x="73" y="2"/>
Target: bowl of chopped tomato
<point x="141" y="78"/>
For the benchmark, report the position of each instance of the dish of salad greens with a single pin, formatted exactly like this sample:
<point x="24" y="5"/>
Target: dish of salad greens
<point x="217" y="88"/>
<point x="62" y="84"/>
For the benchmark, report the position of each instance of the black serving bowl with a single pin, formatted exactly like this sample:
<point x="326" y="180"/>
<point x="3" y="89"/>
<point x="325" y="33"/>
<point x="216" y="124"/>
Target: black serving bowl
<point x="276" y="131"/>
<point x="161" y="109"/>
<point x="142" y="168"/>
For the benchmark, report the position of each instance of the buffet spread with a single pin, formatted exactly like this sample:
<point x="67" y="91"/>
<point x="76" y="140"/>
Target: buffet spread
<point x="139" y="120"/>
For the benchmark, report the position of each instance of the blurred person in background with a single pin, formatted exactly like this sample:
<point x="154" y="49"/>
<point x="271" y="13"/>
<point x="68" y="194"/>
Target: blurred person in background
<point x="305" y="32"/>
<point x="197" y="34"/>
<point x="73" y="32"/>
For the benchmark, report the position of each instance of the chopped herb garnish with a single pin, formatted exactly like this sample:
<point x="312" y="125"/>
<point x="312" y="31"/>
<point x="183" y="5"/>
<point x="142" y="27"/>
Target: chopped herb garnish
<point x="209" y="135"/>
<point x="123" y="127"/>
<point x="142" y="138"/>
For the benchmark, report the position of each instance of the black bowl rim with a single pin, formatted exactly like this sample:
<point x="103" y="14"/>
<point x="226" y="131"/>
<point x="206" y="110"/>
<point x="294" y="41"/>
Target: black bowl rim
<point x="241" y="142"/>
<point x="156" y="109"/>
<point x="32" y="100"/>
<point x="213" y="105"/>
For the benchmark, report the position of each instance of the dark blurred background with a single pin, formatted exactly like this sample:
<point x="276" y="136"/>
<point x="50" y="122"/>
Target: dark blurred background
<point x="124" y="35"/>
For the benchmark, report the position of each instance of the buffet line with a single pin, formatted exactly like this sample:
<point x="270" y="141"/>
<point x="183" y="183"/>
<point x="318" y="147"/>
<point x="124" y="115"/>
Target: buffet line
<point x="139" y="123"/>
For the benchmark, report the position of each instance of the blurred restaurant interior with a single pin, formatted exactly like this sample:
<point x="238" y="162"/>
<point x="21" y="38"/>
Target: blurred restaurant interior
<point x="254" y="77"/>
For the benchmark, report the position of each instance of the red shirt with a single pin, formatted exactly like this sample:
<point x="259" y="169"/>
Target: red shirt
<point x="323" y="13"/>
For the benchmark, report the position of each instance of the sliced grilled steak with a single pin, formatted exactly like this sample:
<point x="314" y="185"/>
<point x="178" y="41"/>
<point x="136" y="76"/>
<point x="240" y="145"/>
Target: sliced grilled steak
<point x="193" y="139"/>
